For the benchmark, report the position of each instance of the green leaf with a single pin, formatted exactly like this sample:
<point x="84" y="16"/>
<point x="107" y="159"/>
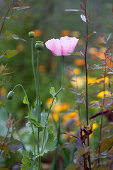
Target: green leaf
<point x="14" y="17"/>
<point x="52" y="91"/>
<point x="21" y="8"/>
<point x="26" y="161"/>
<point x="36" y="124"/>
<point x="10" y="53"/>
<point x="10" y="35"/>
<point x="91" y="34"/>
<point x="106" y="144"/>
<point x="49" y="141"/>
<point x="25" y="100"/>
<point x="14" y="145"/>
<point x="76" y="53"/>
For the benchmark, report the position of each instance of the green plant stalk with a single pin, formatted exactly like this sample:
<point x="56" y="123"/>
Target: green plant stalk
<point x="52" y="105"/>
<point x="54" y="165"/>
<point x="36" y="79"/>
<point x="38" y="104"/>
<point x="29" y="115"/>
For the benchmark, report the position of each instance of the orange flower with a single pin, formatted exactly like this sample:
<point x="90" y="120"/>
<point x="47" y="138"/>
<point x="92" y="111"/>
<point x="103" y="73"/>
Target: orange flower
<point x="101" y="55"/>
<point x="58" y="107"/>
<point x="79" y="62"/>
<point x="41" y="68"/>
<point x="65" y="32"/>
<point x="37" y="32"/>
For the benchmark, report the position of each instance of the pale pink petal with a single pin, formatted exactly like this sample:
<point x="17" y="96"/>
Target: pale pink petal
<point x="64" y="46"/>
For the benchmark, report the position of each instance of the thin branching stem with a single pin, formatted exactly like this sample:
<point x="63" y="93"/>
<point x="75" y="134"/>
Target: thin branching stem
<point x="86" y="69"/>
<point x="4" y="20"/>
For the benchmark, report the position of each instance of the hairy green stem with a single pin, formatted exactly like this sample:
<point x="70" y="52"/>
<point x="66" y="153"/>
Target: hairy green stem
<point x="52" y="105"/>
<point x="29" y="115"/>
<point x="36" y="79"/>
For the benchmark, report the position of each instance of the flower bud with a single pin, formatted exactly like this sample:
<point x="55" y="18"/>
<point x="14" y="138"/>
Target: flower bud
<point x="39" y="45"/>
<point x="31" y="34"/>
<point x="10" y="95"/>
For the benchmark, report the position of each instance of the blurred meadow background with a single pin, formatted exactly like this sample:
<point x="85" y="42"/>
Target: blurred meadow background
<point x="50" y="19"/>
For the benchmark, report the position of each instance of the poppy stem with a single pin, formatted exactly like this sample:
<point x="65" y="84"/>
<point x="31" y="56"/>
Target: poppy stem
<point x="37" y="88"/>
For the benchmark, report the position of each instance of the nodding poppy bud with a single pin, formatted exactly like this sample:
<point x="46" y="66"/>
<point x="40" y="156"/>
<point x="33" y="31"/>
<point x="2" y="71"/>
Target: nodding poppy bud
<point x="10" y="95"/>
<point x="31" y="34"/>
<point x="39" y="45"/>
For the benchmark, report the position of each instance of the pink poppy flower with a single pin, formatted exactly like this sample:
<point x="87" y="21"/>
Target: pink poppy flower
<point x="63" y="46"/>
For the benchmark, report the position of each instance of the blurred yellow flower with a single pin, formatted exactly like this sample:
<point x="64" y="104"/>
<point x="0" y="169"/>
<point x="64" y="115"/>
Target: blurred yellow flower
<point x="104" y="93"/>
<point x="91" y="80"/>
<point x="77" y="82"/>
<point x="73" y="115"/>
<point x="94" y="126"/>
<point x="54" y="116"/>
<point x="58" y="107"/>
<point x="76" y="71"/>
<point x="102" y="79"/>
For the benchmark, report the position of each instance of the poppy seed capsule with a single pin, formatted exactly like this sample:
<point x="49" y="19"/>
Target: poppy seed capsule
<point x="31" y="34"/>
<point x="39" y="45"/>
<point x="10" y="95"/>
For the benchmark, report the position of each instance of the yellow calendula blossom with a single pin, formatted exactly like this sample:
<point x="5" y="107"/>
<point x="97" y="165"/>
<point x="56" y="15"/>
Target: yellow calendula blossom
<point x="77" y="82"/>
<point x="102" y="80"/>
<point x="54" y="116"/>
<point x="103" y="94"/>
<point x="76" y="71"/>
<point x="58" y="107"/>
<point x="94" y="126"/>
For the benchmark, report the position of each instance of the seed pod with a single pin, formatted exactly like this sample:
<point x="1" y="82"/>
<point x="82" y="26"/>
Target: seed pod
<point x="10" y="95"/>
<point x="31" y="34"/>
<point x="39" y="45"/>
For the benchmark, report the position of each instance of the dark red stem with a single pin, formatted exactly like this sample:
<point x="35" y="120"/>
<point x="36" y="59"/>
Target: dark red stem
<point x="85" y="55"/>
<point x="5" y="17"/>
